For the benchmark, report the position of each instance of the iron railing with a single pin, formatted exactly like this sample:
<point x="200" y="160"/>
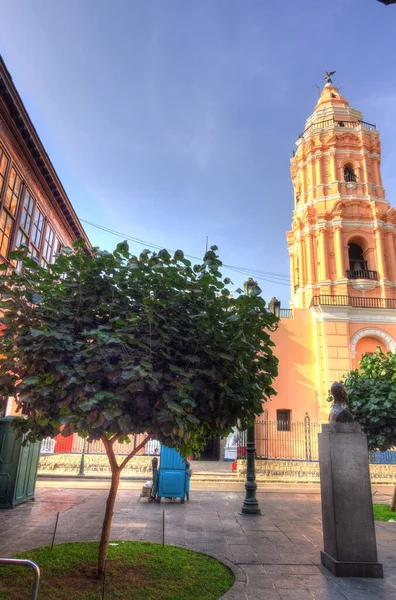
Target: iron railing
<point x="18" y="562"/>
<point x="339" y="123"/>
<point x="283" y="440"/>
<point x="355" y="301"/>
<point x="294" y="441"/>
<point x="74" y="445"/>
<point x="362" y="274"/>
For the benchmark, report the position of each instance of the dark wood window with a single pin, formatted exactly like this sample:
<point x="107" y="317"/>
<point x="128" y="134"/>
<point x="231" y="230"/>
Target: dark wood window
<point x="13" y="192"/>
<point x="283" y="419"/>
<point x="3" y="168"/>
<point x="48" y="245"/>
<point x="27" y="213"/>
<point x="6" y="223"/>
<point x="22" y="222"/>
<point x="37" y="232"/>
<point x="57" y="249"/>
<point x="8" y="211"/>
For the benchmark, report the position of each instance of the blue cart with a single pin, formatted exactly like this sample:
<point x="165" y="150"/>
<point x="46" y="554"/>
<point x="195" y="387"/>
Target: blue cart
<point x="172" y="479"/>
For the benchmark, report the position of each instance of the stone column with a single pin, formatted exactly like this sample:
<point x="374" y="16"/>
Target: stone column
<point x="301" y="261"/>
<point x="380" y="253"/>
<point x="310" y="258"/>
<point x="323" y="255"/>
<point x="390" y="245"/>
<point x="334" y="175"/>
<point x="339" y="252"/>
<point x="318" y="169"/>
<point x="350" y="548"/>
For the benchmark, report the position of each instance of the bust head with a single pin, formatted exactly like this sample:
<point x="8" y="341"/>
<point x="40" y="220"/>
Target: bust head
<point x="339" y="392"/>
<point x="339" y="413"/>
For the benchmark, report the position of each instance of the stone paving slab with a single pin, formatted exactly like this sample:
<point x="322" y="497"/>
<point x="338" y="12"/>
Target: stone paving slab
<point x="274" y="556"/>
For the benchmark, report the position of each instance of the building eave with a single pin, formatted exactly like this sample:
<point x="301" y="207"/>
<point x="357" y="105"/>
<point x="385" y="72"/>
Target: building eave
<point x="17" y="118"/>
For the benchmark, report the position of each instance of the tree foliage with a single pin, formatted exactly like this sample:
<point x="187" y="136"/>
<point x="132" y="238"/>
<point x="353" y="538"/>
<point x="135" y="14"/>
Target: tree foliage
<point x="112" y="343"/>
<point x="372" y="398"/>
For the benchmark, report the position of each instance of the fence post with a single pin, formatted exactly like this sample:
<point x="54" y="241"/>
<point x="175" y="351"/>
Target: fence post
<point x="265" y="433"/>
<point x="307" y="435"/>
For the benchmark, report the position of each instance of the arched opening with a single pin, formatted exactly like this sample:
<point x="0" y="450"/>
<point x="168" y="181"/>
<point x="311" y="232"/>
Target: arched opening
<point x="356" y="257"/>
<point x="349" y="174"/>
<point x="367" y="345"/>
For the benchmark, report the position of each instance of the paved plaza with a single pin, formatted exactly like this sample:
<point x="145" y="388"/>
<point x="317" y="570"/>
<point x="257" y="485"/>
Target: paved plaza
<point x="275" y="556"/>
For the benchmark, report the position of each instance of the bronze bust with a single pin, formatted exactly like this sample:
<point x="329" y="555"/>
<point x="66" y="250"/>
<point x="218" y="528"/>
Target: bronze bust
<point x="338" y="413"/>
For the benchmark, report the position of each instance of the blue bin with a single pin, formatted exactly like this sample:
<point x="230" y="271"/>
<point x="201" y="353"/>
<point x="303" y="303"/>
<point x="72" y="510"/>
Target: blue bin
<point x="172" y="479"/>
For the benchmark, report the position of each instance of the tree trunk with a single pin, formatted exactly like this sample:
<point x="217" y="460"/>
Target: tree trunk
<point x="106" y="527"/>
<point x="393" y="502"/>
<point x="111" y="498"/>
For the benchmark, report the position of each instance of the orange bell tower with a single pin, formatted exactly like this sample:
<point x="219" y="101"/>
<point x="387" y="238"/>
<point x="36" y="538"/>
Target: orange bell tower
<point x="342" y="251"/>
<point x="342" y="241"/>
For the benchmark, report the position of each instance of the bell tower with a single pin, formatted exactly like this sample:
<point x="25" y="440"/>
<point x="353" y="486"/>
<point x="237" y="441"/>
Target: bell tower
<point x="342" y="240"/>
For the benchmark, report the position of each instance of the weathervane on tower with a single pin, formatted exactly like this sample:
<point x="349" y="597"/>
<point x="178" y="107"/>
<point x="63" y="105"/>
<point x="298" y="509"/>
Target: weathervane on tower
<point x="328" y="76"/>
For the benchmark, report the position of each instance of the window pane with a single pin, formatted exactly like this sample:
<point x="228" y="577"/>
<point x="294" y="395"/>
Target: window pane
<point x="13" y="189"/>
<point x="21" y="240"/>
<point x="57" y="250"/>
<point x="283" y="420"/>
<point x="37" y="228"/>
<point x="3" y="167"/>
<point x="27" y="213"/>
<point x="48" y="244"/>
<point x="5" y="232"/>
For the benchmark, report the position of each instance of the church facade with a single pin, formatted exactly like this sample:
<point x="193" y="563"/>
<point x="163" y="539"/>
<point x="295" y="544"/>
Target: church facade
<point x="342" y="260"/>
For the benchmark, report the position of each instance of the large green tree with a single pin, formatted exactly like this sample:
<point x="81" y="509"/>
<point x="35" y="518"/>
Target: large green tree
<point x="112" y="344"/>
<point x="372" y="400"/>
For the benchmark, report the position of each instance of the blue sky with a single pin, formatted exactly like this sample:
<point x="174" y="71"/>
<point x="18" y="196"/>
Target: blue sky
<point x="172" y="121"/>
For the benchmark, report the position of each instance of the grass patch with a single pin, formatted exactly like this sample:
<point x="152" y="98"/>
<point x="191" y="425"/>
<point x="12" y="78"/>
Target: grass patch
<point x="382" y="512"/>
<point x="135" y="571"/>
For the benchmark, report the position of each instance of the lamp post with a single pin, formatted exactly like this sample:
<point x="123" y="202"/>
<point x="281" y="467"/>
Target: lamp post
<point x="250" y="504"/>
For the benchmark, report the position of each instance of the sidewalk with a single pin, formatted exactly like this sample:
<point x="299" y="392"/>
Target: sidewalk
<point x="275" y="556"/>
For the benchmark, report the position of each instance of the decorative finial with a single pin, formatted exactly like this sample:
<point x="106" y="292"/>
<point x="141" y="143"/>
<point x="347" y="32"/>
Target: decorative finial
<point x="328" y="75"/>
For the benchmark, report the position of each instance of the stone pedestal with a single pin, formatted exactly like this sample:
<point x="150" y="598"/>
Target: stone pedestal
<point x="350" y="548"/>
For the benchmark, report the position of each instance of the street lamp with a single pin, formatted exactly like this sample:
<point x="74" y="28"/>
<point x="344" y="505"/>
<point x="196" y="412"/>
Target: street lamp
<point x="250" y="505"/>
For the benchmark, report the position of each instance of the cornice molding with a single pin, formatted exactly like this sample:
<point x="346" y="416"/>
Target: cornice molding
<point x="385" y="316"/>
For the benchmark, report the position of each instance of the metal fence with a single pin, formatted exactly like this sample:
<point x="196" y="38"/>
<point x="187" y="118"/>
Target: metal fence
<point x="74" y="444"/>
<point x="283" y="440"/>
<point x="294" y="441"/>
